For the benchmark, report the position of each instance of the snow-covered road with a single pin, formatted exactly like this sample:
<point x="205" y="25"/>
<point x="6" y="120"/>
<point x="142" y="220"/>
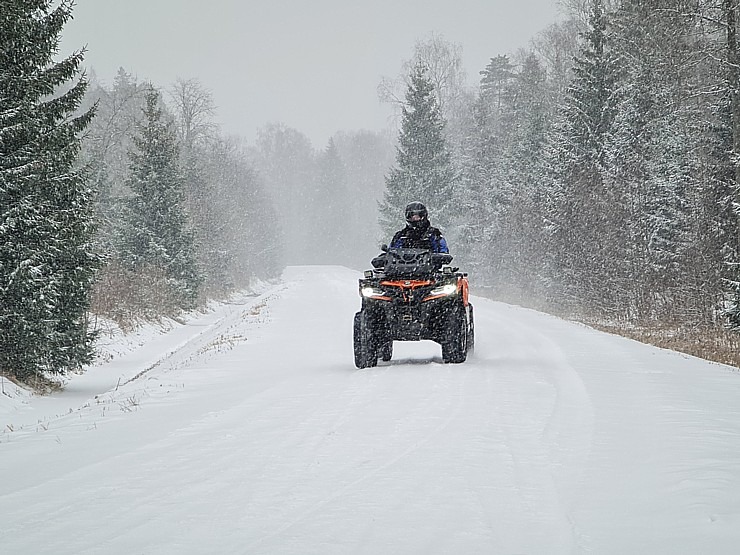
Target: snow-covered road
<point x="249" y="430"/>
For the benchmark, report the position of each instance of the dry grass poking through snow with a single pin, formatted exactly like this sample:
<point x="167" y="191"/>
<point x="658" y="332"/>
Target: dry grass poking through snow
<point x="716" y="344"/>
<point x="721" y="346"/>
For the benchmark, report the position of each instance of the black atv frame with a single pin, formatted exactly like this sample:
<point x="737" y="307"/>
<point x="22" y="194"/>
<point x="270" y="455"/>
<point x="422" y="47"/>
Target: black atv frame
<point x="413" y="295"/>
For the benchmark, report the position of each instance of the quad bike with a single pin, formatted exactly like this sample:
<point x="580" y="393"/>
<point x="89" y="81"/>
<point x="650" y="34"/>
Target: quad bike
<point x="410" y="295"/>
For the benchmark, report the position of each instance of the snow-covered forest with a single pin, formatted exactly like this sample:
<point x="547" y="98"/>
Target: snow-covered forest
<point x="593" y="174"/>
<point x="176" y="302"/>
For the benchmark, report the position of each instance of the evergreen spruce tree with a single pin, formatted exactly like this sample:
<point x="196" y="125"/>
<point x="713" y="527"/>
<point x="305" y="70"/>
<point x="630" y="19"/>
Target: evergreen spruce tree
<point x="156" y="238"/>
<point x="583" y="214"/>
<point x="47" y="261"/>
<point x="485" y="191"/>
<point x="495" y="90"/>
<point x="477" y="175"/>
<point x="652" y="156"/>
<point x="502" y="177"/>
<point x="424" y="170"/>
<point x="523" y="242"/>
<point x="730" y="220"/>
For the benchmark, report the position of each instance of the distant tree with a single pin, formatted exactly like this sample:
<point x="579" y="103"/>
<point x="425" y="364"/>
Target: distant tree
<point x="502" y="166"/>
<point x="443" y="63"/>
<point x="232" y="221"/>
<point x="106" y="144"/>
<point x="47" y="259"/>
<point x="332" y="214"/>
<point x="287" y="162"/>
<point x="243" y="240"/>
<point x="581" y="10"/>
<point x="157" y="238"/>
<point x="495" y="83"/>
<point x="194" y="109"/>
<point x="555" y="47"/>
<point x="485" y="195"/>
<point x="366" y="157"/>
<point x="523" y="243"/>
<point x="444" y="69"/>
<point x="424" y="169"/>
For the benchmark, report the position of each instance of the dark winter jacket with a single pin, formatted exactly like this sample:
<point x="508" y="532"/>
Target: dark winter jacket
<point x="425" y="237"/>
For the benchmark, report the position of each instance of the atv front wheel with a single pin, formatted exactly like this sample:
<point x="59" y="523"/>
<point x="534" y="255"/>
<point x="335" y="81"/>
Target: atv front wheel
<point x="471" y="329"/>
<point x="455" y="346"/>
<point x="366" y="353"/>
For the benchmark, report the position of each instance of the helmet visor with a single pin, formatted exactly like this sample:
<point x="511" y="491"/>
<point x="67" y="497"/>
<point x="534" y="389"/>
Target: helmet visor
<point x="415" y="215"/>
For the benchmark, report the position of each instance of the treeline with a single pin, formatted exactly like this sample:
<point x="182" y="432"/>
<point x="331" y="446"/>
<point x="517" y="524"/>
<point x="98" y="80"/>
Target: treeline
<point x="124" y="201"/>
<point x="615" y="195"/>
<point x="244" y="211"/>
<point x="182" y="213"/>
<point x="595" y="173"/>
<point x="326" y="200"/>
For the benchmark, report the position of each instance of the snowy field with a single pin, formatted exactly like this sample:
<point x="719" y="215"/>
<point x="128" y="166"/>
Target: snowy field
<point x="248" y="430"/>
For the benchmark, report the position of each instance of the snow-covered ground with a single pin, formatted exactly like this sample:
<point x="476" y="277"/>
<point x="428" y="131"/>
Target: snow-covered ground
<point x="248" y="430"/>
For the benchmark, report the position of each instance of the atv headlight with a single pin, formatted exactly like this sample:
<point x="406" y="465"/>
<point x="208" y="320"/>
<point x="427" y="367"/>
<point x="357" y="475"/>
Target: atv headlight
<point x="370" y="292"/>
<point x="444" y="290"/>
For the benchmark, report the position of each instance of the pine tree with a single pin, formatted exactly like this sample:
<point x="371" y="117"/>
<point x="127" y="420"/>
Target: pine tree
<point x="485" y="192"/>
<point x="652" y="154"/>
<point x="478" y="157"/>
<point x="157" y="238"/>
<point x="47" y="261"/>
<point x="424" y="170"/>
<point x="495" y="90"/>
<point x="731" y="59"/>
<point x="583" y="214"/>
<point x="524" y="240"/>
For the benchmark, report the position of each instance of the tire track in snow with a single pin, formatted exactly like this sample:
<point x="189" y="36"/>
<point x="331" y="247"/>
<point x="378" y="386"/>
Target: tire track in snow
<point x="209" y="337"/>
<point x="419" y="412"/>
<point x="129" y="393"/>
<point x="549" y="444"/>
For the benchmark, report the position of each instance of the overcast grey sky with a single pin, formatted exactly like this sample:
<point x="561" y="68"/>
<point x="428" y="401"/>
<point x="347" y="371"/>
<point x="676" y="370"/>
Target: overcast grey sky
<point x="311" y="64"/>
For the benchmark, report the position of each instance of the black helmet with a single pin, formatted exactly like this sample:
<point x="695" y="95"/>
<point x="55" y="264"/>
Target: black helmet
<point x="416" y="214"/>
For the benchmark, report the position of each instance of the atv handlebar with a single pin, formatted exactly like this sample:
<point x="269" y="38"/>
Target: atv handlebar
<point x="410" y="261"/>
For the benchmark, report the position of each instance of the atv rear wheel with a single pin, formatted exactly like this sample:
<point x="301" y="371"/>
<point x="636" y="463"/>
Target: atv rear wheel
<point x="455" y="346"/>
<point x="366" y="353"/>
<point x="386" y="351"/>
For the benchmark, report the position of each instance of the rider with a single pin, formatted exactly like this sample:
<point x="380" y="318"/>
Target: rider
<point x="418" y="233"/>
